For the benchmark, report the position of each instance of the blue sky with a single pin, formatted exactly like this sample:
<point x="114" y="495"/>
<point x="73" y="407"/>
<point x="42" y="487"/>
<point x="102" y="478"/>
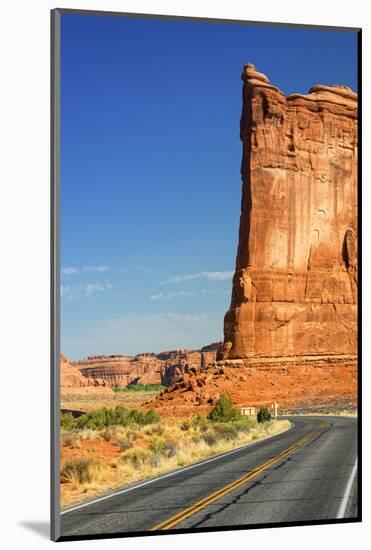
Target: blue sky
<point x="150" y="159"/>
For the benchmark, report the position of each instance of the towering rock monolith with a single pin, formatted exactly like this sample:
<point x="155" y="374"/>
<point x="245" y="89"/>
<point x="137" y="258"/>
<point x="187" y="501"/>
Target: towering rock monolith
<point x="290" y="334"/>
<point x="295" y="284"/>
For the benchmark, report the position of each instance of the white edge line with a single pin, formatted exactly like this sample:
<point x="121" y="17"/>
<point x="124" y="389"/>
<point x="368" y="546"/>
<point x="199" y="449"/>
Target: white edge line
<point x="175" y="472"/>
<point x="344" y="500"/>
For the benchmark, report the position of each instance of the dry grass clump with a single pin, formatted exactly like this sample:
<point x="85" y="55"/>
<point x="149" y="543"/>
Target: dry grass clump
<point x="138" y="458"/>
<point x="120" y="436"/>
<point x="157" y="429"/>
<point x="71" y="440"/>
<point x="74" y="437"/>
<point x="80" y="471"/>
<point x="124" y="444"/>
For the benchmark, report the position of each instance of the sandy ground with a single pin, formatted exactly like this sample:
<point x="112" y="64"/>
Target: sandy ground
<point x="130" y="400"/>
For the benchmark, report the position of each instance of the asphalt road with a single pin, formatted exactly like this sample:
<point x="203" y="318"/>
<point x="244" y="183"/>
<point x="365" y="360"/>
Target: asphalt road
<point x="305" y="473"/>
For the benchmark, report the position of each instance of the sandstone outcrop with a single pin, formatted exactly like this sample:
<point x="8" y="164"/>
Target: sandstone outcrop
<point x="295" y="283"/>
<point x="290" y="334"/>
<point x="72" y="382"/>
<point x="146" y="368"/>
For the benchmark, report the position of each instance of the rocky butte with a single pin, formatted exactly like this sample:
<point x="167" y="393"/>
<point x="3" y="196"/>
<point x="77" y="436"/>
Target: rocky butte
<point x="290" y="333"/>
<point x="72" y="382"/>
<point x="163" y="368"/>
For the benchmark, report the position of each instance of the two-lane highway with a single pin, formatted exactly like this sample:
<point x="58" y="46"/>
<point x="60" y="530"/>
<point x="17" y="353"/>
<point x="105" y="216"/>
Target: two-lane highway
<point x="306" y="473"/>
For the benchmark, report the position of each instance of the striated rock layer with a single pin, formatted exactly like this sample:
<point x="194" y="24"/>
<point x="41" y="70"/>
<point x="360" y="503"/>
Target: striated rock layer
<point x="295" y="284"/>
<point x="72" y="382"/>
<point x="146" y="368"/>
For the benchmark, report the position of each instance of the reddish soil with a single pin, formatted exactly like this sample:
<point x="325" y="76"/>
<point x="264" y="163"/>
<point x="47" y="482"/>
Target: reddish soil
<point x="332" y="384"/>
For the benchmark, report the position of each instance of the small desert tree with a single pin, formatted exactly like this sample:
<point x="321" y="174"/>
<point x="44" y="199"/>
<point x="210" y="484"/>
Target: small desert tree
<point x="263" y="415"/>
<point x="67" y="421"/>
<point x="224" y="410"/>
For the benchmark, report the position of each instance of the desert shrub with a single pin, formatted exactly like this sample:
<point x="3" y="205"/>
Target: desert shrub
<point x="157" y="429"/>
<point x="155" y="460"/>
<point x="170" y="449"/>
<point x="119" y="416"/>
<point x="96" y="420"/>
<point x="263" y="415"/>
<point x="229" y="432"/>
<point x="137" y="417"/>
<point x="224" y="410"/>
<point x="244" y="424"/>
<point x="137" y="457"/>
<point x="81" y="470"/>
<point x="132" y="435"/>
<point x="87" y="433"/>
<point x="199" y="420"/>
<point x="160" y="448"/>
<point x="67" y="421"/>
<point x="185" y="426"/>
<point x="151" y="417"/>
<point x="124" y="444"/>
<point x="108" y="434"/>
<point x="156" y="446"/>
<point x="210" y="439"/>
<point x="141" y="387"/>
<point x="71" y="439"/>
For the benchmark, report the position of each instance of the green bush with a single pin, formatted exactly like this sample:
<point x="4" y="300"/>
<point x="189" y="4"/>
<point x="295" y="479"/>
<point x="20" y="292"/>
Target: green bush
<point x="151" y="417"/>
<point x="264" y="415"/>
<point x="141" y="387"/>
<point x="67" y="421"/>
<point x="224" y="410"/>
<point x="119" y="416"/>
<point x="156" y="446"/>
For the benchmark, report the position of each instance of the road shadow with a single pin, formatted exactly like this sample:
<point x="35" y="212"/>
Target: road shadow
<point x="42" y="528"/>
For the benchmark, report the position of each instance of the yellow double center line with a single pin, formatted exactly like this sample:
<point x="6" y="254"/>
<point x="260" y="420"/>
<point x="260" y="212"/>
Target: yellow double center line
<point x="187" y="512"/>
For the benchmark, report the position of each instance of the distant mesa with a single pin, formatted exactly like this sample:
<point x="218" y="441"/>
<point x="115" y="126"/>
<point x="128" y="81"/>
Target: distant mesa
<point x="118" y="371"/>
<point x="72" y="382"/>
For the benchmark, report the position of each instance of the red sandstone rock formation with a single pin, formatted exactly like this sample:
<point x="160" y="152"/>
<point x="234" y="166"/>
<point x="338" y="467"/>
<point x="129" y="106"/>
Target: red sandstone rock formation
<point x="295" y="284"/>
<point x="290" y="334"/>
<point x="120" y="370"/>
<point x="146" y="368"/>
<point x="74" y="383"/>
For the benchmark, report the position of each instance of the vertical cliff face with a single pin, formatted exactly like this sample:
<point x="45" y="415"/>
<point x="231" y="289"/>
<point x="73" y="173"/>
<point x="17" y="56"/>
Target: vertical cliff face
<point x="295" y="285"/>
